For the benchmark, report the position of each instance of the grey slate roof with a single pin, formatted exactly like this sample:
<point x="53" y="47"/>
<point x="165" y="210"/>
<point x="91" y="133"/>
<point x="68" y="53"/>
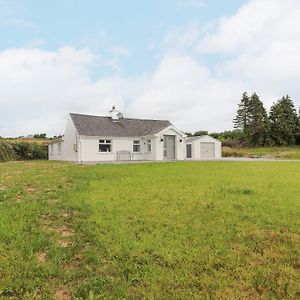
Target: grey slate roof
<point x="126" y="127"/>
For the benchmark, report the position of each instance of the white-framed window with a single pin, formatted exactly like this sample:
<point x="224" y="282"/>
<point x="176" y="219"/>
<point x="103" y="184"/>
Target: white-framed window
<point x="51" y="149"/>
<point x="105" y="146"/>
<point x="149" y="147"/>
<point x="136" y="146"/>
<point x="59" y="147"/>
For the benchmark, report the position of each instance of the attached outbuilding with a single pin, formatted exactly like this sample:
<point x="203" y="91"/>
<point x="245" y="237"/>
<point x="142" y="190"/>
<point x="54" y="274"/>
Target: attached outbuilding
<point x="203" y="147"/>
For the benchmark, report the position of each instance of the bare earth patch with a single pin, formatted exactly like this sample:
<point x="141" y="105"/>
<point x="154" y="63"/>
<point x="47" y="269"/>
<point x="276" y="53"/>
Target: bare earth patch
<point x="65" y="215"/>
<point x="63" y="294"/>
<point x="41" y="257"/>
<point x="63" y="231"/>
<point x="3" y="188"/>
<point x="72" y="265"/>
<point x="30" y="190"/>
<point x="63" y="243"/>
<point x="19" y="199"/>
<point x="66" y="232"/>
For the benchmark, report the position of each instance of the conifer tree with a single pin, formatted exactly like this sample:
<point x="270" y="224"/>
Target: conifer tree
<point x="241" y="121"/>
<point x="258" y="129"/>
<point x="252" y="121"/>
<point x="297" y="137"/>
<point x="284" y="122"/>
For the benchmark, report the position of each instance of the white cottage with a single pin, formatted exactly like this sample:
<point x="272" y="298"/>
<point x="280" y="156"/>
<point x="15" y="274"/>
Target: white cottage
<point x="96" y="138"/>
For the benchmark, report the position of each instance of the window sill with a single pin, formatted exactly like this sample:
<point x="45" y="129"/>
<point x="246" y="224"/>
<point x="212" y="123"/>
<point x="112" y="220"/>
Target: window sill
<point x="105" y="153"/>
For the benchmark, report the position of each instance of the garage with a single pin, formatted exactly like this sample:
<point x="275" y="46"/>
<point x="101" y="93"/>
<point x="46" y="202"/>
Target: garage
<point x="207" y="150"/>
<point x="203" y="147"/>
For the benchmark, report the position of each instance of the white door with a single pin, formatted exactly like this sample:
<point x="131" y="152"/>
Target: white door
<point x="207" y="150"/>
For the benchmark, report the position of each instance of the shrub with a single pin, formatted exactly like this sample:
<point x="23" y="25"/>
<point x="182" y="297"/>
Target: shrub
<point x="28" y="151"/>
<point x="6" y="152"/>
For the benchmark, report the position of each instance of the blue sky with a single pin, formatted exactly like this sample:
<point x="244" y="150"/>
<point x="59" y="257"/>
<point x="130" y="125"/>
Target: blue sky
<point x="188" y="61"/>
<point x="133" y="29"/>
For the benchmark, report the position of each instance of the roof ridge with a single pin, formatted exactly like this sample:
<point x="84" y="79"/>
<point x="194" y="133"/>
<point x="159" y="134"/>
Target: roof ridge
<point x="122" y="118"/>
<point x="105" y="126"/>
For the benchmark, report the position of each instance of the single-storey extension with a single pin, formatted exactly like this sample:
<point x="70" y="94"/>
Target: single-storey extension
<point x="90" y="138"/>
<point x="203" y="147"/>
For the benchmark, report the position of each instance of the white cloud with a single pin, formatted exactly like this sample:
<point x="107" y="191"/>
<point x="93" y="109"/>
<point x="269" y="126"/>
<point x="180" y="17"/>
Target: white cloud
<point x="38" y="88"/>
<point x="186" y="92"/>
<point x="257" y="49"/>
<point x="254" y="27"/>
<point x="182" y="38"/>
<point x="261" y="47"/>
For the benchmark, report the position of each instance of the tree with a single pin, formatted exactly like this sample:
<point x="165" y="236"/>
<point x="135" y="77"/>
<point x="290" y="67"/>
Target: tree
<point x="284" y="122"/>
<point x="252" y="121"/>
<point x="188" y="134"/>
<point x="241" y="121"/>
<point x="298" y="130"/>
<point x="40" y="136"/>
<point x="200" y="133"/>
<point x="257" y="131"/>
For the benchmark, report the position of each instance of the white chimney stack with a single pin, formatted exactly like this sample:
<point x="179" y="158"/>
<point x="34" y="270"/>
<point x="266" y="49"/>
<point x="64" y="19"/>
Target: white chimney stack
<point x="115" y="114"/>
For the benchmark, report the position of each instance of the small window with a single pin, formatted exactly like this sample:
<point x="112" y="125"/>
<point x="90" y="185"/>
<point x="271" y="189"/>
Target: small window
<point x="59" y="147"/>
<point x="136" y="146"/>
<point x="51" y="148"/>
<point x="105" y="146"/>
<point x="149" y="146"/>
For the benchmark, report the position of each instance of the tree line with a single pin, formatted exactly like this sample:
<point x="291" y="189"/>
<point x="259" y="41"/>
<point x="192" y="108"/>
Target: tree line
<point x="255" y="127"/>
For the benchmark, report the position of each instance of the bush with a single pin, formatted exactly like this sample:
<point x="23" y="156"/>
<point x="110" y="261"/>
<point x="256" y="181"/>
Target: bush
<point x="229" y="152"/>
<point x="6" y="152"/>
<point x="29" y="151"/>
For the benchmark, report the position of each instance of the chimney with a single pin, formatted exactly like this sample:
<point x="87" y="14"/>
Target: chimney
<point x="115" y="114"/>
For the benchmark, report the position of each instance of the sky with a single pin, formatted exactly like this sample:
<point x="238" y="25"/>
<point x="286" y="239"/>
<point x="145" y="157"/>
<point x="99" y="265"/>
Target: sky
<point x="188" y="61"/>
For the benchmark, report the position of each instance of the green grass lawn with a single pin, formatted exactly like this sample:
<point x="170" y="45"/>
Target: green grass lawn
<point x="189" y="230"/>
<point x="292" y="152"/>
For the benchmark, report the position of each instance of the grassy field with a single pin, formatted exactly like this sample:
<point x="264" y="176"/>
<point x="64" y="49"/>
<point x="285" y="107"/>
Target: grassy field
<point x="263" y="152"/>
<point x="193" y="230"/>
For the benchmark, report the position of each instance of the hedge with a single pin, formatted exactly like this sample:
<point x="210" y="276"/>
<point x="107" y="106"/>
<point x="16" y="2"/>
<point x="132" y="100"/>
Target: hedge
<point x="22" y="151"/>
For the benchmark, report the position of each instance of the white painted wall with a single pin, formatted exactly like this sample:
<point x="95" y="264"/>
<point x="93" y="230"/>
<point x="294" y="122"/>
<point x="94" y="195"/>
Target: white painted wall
<point x="55" y="151"/>
<point x="68" y="145"/>
<point x="89" y="148"/>
<point x="195" y="142"/>
<point x="86" y="148"/>
<point x="179" y="146"/>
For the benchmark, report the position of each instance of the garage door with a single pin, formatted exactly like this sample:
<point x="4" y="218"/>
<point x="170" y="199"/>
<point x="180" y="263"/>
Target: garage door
<point x="207" y="150"/>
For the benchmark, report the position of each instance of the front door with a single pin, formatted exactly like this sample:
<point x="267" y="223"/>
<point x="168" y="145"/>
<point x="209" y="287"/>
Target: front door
<point x="169" y="147"/>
